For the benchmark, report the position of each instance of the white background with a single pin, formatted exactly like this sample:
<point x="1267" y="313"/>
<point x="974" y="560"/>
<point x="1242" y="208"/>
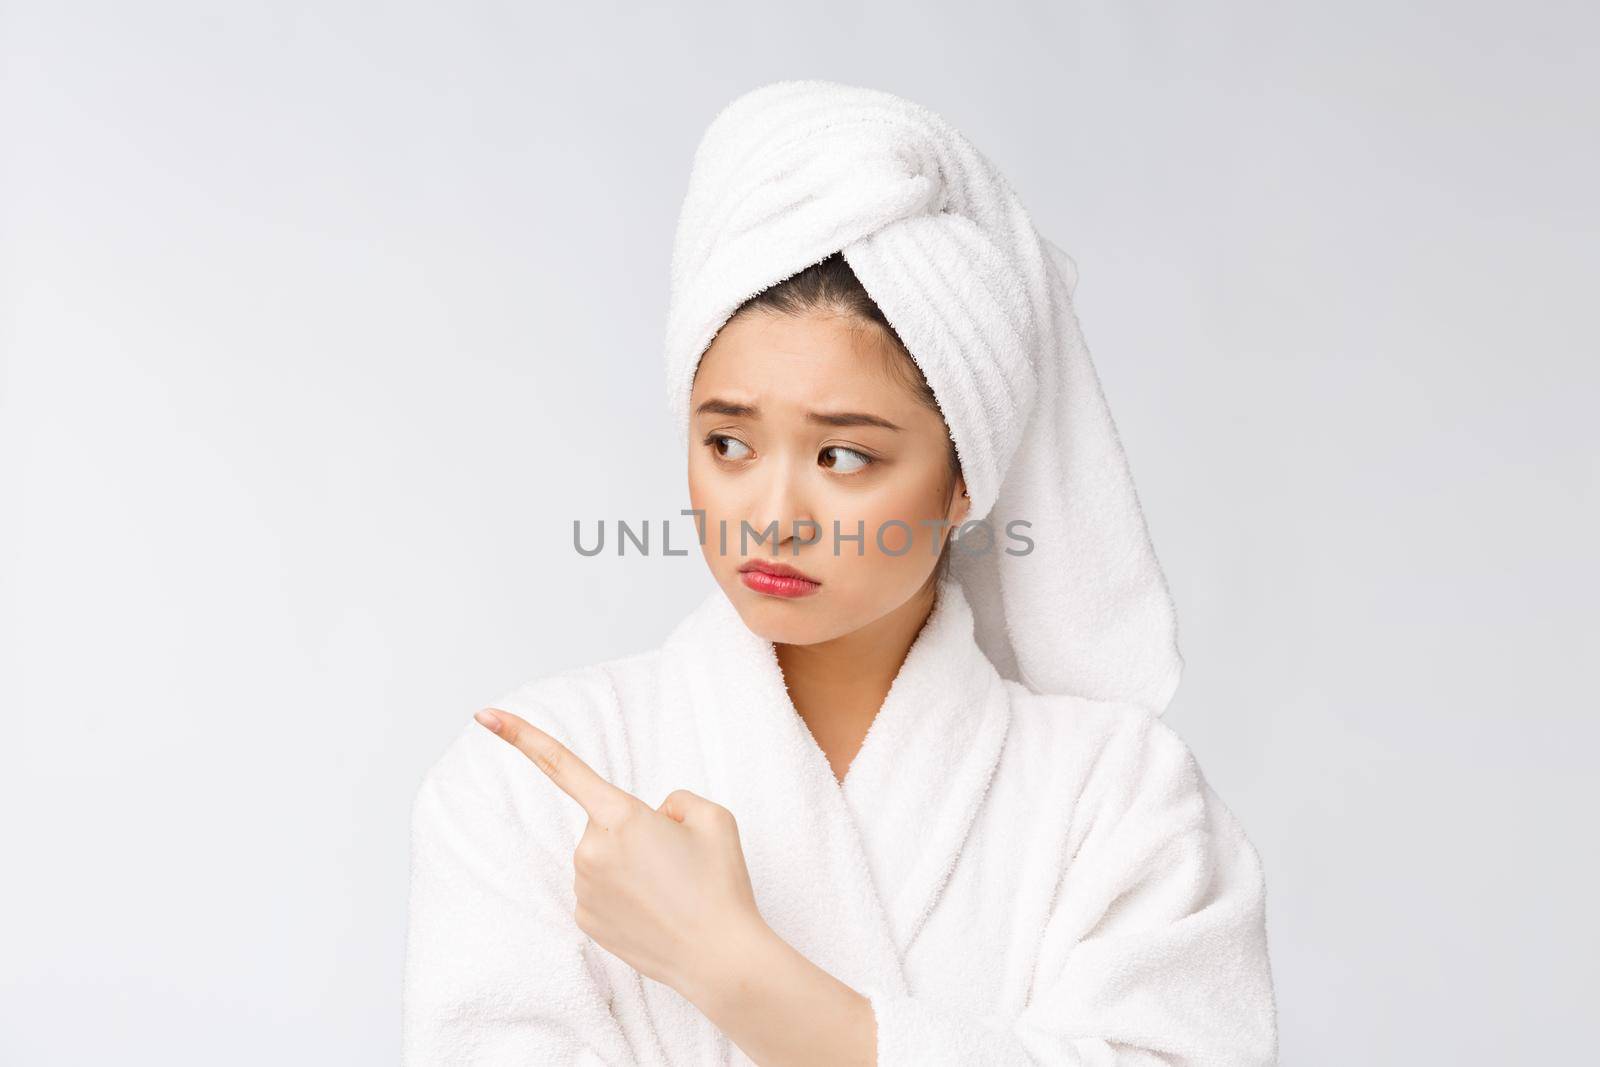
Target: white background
<point x="322" y="322"/>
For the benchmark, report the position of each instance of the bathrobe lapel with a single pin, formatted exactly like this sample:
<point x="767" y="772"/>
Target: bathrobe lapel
<point x="846" y="874"/>
<point x="916" y="784"/>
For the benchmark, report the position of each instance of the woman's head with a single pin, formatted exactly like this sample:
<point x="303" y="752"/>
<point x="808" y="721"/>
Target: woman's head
<point x="777" y="437"/>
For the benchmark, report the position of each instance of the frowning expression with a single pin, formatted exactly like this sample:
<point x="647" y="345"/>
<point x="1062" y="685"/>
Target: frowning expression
<point x="803" y="419"/>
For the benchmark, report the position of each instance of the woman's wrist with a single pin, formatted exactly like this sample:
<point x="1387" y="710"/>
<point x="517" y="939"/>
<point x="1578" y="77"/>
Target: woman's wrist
<point x="723" y="970"/>
<point x="776" y="1005"/>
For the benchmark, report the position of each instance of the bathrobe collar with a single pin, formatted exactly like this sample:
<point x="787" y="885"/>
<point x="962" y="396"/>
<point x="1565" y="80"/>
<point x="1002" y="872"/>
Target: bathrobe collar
<point x="846" y="874"/>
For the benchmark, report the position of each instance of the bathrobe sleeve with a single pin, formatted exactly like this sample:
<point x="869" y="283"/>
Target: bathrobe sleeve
<point x="1155" y="948"/>
<point x="495" y="969"/>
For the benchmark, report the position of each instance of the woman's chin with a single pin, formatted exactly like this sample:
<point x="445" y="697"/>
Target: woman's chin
<point x="783" y="620"/>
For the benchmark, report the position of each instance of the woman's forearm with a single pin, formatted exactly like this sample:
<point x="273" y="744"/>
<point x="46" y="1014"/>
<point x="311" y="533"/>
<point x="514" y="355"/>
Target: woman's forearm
<point x="781" y="1009"/>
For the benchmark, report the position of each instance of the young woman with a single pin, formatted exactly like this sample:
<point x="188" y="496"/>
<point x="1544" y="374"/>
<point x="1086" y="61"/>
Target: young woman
<point x="896" y="792"/>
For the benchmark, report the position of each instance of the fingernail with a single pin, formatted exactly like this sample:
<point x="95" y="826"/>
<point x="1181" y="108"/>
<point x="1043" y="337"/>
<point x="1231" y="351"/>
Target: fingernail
<point x="489" y="719"/>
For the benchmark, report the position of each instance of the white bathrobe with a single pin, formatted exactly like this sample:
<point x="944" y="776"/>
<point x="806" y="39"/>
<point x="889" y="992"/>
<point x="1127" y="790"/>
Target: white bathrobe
<point x="1010" y="878"/>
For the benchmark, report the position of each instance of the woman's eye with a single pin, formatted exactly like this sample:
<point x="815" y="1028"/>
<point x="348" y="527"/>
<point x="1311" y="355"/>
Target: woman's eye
<point x="864" y="460"/>
<point x="717" y="441"/>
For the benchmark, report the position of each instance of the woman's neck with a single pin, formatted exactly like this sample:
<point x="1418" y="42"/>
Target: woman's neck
<point x="837" y="686"/>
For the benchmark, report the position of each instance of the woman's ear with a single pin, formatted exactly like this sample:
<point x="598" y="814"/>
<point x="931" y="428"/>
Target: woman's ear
<point x="960" y="503"/>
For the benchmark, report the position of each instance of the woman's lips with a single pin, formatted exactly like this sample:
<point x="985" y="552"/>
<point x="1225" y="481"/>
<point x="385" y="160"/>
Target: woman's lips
<point x="777" y="579"/>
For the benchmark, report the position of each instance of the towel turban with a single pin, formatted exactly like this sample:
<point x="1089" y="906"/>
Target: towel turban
<point x="792" y="172"/>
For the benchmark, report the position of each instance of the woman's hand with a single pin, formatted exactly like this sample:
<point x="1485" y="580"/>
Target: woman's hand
<point x="664" y="889"/>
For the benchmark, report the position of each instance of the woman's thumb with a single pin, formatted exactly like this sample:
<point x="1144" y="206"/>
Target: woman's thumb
<point x="679" y="803"/>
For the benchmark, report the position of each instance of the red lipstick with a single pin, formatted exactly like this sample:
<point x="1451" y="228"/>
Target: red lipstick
<point x="777" y="579"/>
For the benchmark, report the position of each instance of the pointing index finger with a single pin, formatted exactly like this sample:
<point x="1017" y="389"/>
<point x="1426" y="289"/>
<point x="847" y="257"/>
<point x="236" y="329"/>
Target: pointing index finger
<point x="576" y="778"/>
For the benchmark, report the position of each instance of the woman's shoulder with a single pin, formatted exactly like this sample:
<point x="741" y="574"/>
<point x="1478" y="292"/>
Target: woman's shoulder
<point x="1127" y="755"/>
<point x="1145" y="779"/>
<point x="1066" y="719"/>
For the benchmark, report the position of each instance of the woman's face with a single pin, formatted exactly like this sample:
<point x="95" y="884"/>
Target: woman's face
<point x="796" y="418"/>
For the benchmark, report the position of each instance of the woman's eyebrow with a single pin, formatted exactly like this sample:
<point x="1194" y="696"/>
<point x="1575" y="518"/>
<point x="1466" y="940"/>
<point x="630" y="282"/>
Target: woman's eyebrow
<point x="849" y="418"/>
<point x="716" y="406"/>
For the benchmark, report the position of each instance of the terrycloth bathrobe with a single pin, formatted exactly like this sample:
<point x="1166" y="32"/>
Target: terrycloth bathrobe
<point x="1010" y="878"/>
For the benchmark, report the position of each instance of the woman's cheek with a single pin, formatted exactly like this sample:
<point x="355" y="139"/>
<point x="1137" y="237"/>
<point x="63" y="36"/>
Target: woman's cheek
<point x="899" y="532"/>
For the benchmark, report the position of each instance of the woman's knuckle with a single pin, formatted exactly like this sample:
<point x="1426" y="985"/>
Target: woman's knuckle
<point x="549" y="759"/>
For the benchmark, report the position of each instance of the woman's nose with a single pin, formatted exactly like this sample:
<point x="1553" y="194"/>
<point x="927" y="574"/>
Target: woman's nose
<point x="781" y="512"/>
